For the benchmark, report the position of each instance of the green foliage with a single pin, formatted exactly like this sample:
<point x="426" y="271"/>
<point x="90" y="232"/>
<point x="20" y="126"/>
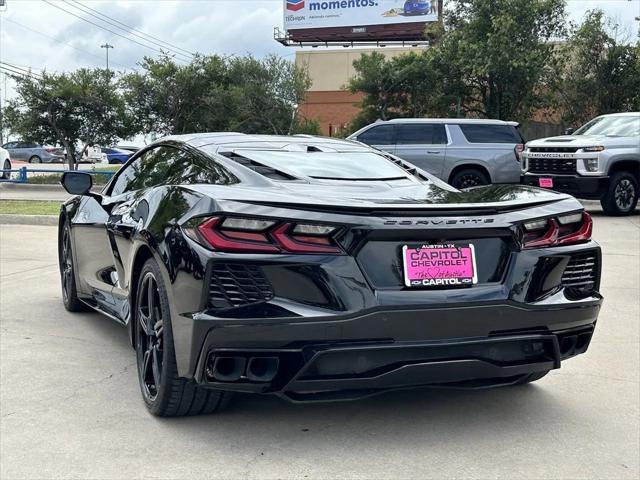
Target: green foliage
<point x="54" y="179"/>
<point x="504" y="59"/>
<point x="600" y="74"/>
<point x="212" y="93"/>
<point x="490" y="62"/>
<point x="74" y="109"/>
<point x="403" y="86"/>
<point x="307" y="126"/>
<point x="215" y="93"/>
<point x="494" y="56"/>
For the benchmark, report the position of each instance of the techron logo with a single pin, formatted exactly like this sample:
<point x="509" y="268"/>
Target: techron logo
<point x="295" y="5"/>
<point x="341" y="4"/>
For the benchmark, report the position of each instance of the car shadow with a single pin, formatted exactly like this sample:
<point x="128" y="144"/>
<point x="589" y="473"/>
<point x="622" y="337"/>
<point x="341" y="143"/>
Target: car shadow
<point x="421" y="413"/>
<point x="418" y="413"/>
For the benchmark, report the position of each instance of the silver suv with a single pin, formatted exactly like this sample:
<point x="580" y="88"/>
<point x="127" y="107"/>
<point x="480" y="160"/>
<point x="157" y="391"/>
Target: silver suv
<point x="600" y="160"/>
<point x="34" y="153"/>
<point x="462" y="152"/>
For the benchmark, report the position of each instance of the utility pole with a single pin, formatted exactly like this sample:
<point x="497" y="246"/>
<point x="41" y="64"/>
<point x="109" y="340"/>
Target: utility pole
<point x="107" y="46"/>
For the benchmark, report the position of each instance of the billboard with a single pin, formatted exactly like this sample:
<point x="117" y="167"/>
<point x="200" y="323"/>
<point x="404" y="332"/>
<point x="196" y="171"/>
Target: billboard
<point x="346" y="13"/>
<point x="372" y="20"/>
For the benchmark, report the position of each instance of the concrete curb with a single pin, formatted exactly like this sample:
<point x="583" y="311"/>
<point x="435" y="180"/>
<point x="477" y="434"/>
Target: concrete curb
<point x="47" y="220"/>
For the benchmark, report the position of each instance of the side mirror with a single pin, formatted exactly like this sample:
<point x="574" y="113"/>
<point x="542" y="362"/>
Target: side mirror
<point x="77" y="183"/>
<point x="568" y="131"/>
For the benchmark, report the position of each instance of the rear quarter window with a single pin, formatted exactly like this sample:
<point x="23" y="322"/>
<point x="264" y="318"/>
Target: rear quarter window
<point x="478" y="133"/>
<point x="379" y="135"/>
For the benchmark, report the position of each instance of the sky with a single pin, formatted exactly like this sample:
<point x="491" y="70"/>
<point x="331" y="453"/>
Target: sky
<point x="36" y="34"/>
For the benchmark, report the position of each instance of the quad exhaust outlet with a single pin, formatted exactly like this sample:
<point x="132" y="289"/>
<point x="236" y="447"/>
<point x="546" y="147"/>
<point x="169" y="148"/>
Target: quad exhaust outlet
<point x="236" y="368"/>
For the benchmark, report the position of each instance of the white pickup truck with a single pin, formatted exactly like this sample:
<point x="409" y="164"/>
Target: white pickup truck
<point x="600" y="160"/>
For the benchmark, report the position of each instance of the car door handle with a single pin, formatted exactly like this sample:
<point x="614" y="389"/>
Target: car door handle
<point x="434" y="151"/>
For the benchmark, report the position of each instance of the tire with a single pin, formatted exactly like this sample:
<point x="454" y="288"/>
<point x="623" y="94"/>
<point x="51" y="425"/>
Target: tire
<point x="68" y="272"/>
<point x="469" y="177"/>
<point x="621" y="197"/>
<point x="164" y="393"/>
<point x="532" y="377"/>
<point x="6" y="166"/>
<point x="35" y="159"/>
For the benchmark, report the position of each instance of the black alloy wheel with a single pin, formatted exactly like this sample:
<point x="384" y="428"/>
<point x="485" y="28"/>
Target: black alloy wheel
<point x="469" y="178"/>
<point x="165" y="393"/>
<point x="621" y="197"/>
<point x="66" y="265"/>
<point x="624" y="194"/>
<point x="67" y="273"/>
<point x="149" y="337"/>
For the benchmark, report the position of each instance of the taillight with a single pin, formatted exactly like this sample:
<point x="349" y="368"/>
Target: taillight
<point x="286" y="237"/>
<point x="229" y="240"/>
<point x="252" y="235"/>
<point x="518" y="151"/>
<point x="562" y="230"/>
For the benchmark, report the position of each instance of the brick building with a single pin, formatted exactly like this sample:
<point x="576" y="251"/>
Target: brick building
<point x="330" y="70"/>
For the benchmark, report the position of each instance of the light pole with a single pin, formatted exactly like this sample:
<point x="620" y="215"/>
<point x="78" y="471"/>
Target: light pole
<point x="107" y="46"/>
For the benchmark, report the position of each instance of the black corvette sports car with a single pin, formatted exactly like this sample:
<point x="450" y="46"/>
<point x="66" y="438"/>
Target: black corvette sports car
<point x="321" y="269"/>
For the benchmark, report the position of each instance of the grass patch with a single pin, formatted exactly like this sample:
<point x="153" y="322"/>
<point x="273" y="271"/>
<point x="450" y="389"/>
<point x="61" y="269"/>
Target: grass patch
<point x="29" y="207"/>
<point x="54" y="178"/>
<point x="110" y="168"/>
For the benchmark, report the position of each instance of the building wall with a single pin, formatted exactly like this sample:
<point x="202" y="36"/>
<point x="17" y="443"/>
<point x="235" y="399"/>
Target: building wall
<point x="333" y="109"/>
<point x="330" y="70"/>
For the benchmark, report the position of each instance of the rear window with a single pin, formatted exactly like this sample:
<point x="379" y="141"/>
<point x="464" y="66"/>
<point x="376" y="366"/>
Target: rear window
<point x="478" y="133"/>
<point x="329" y="165"/>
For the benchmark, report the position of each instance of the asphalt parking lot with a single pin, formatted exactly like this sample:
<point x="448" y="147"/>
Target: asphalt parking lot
<point x="70" y="405"/>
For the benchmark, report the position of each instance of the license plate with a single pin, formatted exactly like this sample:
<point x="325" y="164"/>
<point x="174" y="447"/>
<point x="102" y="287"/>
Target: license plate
<point x="443" y="265"/>
<point x="545" y="182"/>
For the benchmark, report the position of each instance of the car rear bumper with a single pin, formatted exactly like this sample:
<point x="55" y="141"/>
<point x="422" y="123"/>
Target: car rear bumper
<point x="576" y="185"/>
<point x="354" y="356"/>
<point x="346" y="325"/>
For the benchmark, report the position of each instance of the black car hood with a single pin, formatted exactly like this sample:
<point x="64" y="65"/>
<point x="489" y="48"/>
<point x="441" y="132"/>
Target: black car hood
<point x="384" y="195"/>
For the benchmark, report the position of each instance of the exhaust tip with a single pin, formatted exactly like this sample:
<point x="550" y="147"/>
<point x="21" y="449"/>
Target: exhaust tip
<point x="228" y="369"/>
<point x="262" y="369"/>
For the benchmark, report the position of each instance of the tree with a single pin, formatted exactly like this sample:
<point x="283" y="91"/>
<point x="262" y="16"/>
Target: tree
<point x="266" y="94"/>
<point x="495" y="55"/>
<point x="376" y="79"/>
<point x="403" y="86"/>
<point x="493" y="60"/>
<point x="600" y="74"/>
<point x="167" y="98"/>
<point x="215" y="93"/>
<point x="76" y="109"/>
